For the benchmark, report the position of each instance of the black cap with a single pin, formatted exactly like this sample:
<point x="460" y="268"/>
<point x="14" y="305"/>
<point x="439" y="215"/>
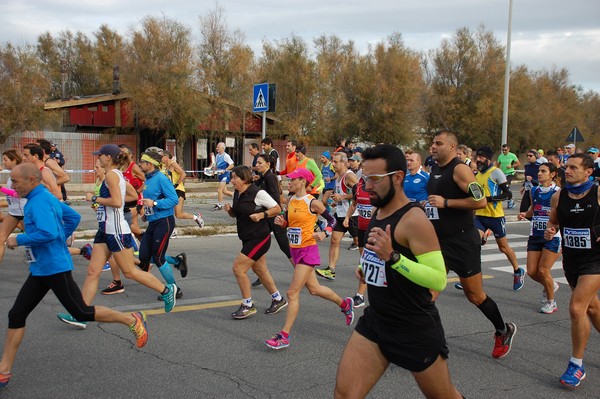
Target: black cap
<point x="485" y="151"/>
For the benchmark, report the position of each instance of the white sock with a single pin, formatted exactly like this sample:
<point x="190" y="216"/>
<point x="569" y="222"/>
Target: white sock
<point x="276" y="296"/>
<point x="247" y="302"/>
<point x="578" y="362"/>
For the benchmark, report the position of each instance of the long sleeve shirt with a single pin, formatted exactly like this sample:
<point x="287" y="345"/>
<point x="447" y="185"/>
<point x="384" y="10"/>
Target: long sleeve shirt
<point x="48" y="223"/>
<point x="160" y="189"/>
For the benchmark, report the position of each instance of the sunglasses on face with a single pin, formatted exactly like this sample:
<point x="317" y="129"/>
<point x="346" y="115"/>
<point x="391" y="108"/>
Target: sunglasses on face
<point x="376" y="178"/>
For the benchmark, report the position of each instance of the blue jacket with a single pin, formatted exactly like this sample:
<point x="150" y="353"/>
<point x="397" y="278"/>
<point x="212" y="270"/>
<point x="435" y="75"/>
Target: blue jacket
<point x="159" y="188"/>
<point x="48" y="223"/>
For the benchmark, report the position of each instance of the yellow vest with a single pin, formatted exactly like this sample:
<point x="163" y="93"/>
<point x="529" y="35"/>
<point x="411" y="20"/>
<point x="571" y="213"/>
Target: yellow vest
<point x="494" y="208"/>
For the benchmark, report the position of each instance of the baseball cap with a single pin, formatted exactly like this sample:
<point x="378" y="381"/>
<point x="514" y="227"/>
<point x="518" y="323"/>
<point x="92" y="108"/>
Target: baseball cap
<point x="570" y="145"/>
<point x="358" y="149"/>
<point x="593" y="150"/>
<point x="302" y="174"/>
<point x="355" y="158"/>
<point x="108" y="149"/>
<point x="326" y="154"/>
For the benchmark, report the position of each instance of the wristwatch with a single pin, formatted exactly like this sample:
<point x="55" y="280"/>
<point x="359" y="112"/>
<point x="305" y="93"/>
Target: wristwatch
<point x="155" y="203"/>
<point x="94" y="198"/>
<point x="394" y="257"/>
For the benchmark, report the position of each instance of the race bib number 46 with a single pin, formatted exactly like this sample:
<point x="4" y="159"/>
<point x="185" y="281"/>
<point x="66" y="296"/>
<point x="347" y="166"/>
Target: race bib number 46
<point x="577" y="238"/>
<point x="294" y="235"/>
<point x="373" y="269"/>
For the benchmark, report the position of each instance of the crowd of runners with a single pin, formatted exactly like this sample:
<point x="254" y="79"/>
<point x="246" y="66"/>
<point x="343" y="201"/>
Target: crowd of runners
<point x="411" y="221"/>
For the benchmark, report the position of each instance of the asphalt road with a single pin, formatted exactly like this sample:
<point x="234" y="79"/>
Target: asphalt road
<point x="198" y="351"/>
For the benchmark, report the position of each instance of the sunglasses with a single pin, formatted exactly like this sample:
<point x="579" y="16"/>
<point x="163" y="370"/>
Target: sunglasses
<point x="376" y="178"/>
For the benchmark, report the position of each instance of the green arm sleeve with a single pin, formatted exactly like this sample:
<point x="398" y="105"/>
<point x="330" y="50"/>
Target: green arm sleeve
<point x="312" y="166"/>
<point x="429" y="271"/>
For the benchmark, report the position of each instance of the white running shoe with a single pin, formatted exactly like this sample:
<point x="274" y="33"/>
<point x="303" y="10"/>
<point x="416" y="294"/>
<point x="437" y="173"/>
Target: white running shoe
<point x="549" y="307"/>
<point x="544" y="298"/>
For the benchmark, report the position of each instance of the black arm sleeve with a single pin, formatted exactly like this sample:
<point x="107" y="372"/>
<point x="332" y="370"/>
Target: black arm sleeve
<point x="505" y="193"/>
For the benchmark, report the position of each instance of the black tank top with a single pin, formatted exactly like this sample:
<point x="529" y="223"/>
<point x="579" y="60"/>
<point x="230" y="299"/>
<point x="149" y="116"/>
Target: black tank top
<point x="577" y="220"/>
<point x="451" y="221"/>
<point x="243" y="207"/>
<point x="394" y="299"/>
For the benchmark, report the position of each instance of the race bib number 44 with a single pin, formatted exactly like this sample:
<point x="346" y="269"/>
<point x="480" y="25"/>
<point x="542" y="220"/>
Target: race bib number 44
<point x="373" y="269"/>
<point x="577" y="238"/>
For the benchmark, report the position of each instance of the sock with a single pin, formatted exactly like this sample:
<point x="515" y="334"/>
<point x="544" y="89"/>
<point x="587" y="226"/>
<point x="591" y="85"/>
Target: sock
<point x="171" y="260"/>
<point x="247" y="302"/>
<point x="284" y="334"/>
<point x="578" y="362"/>
<point x="165" y="291"/>
<point x="167" y="273"/>
<point x="489" y="308"/>
<point x="276" y="296"/>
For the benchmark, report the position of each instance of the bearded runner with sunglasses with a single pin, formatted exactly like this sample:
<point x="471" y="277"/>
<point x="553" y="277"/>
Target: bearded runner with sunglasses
<point x="404" y="269"/>
<point x="453" y="196"/>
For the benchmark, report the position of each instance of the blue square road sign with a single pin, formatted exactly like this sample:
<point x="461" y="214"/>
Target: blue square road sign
<point x="260" y="99"/>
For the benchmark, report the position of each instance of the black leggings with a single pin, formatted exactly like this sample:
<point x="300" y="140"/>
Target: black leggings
<point x="156" y="241"/>
<point x="35" y="289"/>
<point x="281" y="236"/>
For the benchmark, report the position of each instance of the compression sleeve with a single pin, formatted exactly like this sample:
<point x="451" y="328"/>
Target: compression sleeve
<point x="429" y="271"/>
<point x="330" y="220"/>
<point x="505" y="193"/>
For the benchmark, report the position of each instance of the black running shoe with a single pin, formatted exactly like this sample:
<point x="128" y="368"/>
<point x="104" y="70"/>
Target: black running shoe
<point x="182" y="265"/>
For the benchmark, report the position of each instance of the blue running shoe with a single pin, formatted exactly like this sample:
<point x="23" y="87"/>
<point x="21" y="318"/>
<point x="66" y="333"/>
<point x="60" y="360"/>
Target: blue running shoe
<point x="4" y="379"/>
<point x="169" y="298"/>
<point x="106" y="267"/>
<point x="518" y="279"/>
<point x="67" y="318"/>
<point x="573" y="376"/>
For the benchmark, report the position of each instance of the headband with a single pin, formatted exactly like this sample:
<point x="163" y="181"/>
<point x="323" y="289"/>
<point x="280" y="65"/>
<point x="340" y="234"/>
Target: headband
<point x="149" y="159"/>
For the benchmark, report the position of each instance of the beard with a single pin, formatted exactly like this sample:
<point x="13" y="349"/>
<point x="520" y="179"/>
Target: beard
<point x="380" y="202"/>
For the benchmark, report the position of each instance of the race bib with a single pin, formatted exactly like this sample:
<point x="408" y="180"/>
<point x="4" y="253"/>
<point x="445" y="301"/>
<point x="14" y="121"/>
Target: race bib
<point x="431" y="212"/>
<point x="365" y="211"/>
<point x="29" y="257"/>
<point x="373" y="269"/>
<point x="577" y="238"/>
<point x="538" y="224"/>
<point x="294" y="235"/>
<point x="148" y="211"/>
<point x="101" y="213"/>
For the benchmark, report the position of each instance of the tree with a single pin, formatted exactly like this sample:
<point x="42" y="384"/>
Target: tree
<point x="158" y="73"/>
<point x="23" y="90"/>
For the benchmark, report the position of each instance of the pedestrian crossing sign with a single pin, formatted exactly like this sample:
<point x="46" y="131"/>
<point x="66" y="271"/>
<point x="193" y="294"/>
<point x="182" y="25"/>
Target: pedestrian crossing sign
<point x="260" y="99"/>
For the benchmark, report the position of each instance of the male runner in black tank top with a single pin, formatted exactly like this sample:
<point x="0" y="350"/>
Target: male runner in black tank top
<point x="575" y="210"/>
<point x="404" y="269"/>
<point x="453" y="196"/>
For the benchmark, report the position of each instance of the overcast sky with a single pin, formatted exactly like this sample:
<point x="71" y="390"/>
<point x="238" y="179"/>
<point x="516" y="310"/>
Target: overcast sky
<point x="546" y="34"/>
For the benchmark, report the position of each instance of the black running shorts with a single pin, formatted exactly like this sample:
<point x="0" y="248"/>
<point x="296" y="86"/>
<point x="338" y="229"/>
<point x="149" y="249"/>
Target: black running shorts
<point x="462" y="252"/>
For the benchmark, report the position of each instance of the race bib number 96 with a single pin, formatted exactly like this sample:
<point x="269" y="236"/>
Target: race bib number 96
<point x="373" y="269"/>
<point x="577" y="238"/>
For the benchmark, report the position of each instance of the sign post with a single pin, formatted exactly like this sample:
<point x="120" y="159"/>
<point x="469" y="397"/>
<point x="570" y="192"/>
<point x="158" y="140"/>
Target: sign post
<point x="575" y="136"/>
<point x="260" y="103"/>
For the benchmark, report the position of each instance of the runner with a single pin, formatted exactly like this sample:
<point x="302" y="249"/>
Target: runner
<point x="251" y="208"/>
<point x="134" y="175"/>
<point x="491" y="218"/>
<point x="34" y="154"/>
<point x="574" y="212"/>
<point x="453" y="196"/>
<point x="342" y="196"/>
<point x="328" y="177"/>
<point x="507" y="162"/>
<point x="415" y="182"/>
<point x="10" y="159"/>
<point x="300" y="218"/>
<point x="176" y="175"/>
<point x="48" y="223"/>
<point x="114" y="236"/>
<point x="402" y="265"/>
<point x="222" y="162"/>
<point x="542" y="254"/>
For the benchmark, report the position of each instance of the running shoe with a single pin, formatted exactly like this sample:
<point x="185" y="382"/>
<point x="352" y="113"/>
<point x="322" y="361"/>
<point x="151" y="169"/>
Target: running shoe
<point x="326" y="273"/>
<point x="174" y="234"/>
<point x="353" y="247"/>
<point x="217" y="207"/>
<point x="257" y="283"/>
<point x="359" y="301"/>
<point x="544" y="297"/>
<point x="511" y="204"/>
<point x="139" y="329"/>
<point x="67" y="318"/>
<point x="518" y="279"/>
<point x="169" y="297"/>
<point x="115" y="287"/>
<point x="182" y="265"/>
<point x="458" y="286"/>
<point x="503" y="342"/>
<point x="5" y="378"/>
<point x="244" y="312"/>
<point x="106" y="267"/>
<point x="179" y="295"/>
<point x="276" y="306"/>
<point x="549" y="307"/>
<point x="86" y="251"/>
<point x="278" y="342"/>
<point x="485" y="236"/>
<point x="573" y="376"/>
<point x="198" y="219"/>
<point x="349" y="310"/>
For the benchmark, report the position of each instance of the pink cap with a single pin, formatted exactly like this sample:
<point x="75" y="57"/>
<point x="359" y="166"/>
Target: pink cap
<point x="303" y="174"/>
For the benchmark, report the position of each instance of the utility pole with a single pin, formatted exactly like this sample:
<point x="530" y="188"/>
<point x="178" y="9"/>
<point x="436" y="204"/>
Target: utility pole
<point x="507" y="79"/>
